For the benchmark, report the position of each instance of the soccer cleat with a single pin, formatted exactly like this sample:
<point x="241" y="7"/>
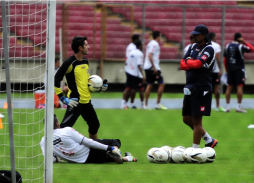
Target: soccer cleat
<point x="212" y="144"/>
<point x="241" y="110"/>
<point x="161" y="107"/>
<point x="146" y="107"/>
<point x="220" y="109"/>
<point x="134" y="107"/>
<point x="124" y="107"/>
<point x="133" y="159"/>
<point x="115" y="157"/>
<point x="227" y="110"/>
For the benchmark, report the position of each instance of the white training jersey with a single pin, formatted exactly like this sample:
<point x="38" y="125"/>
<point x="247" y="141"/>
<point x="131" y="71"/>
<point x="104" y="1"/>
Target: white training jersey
<point x="186" y="49"/>
<point x="217" y="49"/>
<point x="67" y="145"/>
<point x="129" y="48"/>
<point x="154" y="48"/>
<point x="135" y="58"/>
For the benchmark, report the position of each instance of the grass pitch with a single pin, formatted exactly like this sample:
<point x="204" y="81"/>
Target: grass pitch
<point x="140" y="130"/>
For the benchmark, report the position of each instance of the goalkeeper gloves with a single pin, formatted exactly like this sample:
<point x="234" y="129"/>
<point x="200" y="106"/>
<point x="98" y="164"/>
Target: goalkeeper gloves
<point x="115" y="151"/>
<point x="71" y="102"/>
<point x="104" y="87"/>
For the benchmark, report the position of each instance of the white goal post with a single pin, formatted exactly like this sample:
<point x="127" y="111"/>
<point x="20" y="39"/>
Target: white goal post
<point x="27" y="54"/>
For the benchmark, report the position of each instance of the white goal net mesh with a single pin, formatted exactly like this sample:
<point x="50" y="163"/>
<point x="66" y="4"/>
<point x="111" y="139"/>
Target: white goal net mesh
<point x="27" y="28"/>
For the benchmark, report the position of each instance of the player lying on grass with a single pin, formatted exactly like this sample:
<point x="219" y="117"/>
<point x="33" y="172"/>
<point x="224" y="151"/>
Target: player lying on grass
<point x="71" y="146"/>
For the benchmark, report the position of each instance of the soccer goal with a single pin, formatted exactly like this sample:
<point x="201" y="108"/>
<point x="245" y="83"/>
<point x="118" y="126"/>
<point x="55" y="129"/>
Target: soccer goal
<point x="27" y="54"/>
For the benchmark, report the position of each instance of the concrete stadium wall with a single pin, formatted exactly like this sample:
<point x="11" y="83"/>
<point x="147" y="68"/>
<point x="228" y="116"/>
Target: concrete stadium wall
<point x="113" y="72"/>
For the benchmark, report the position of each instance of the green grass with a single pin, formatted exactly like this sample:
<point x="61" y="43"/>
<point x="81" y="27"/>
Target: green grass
<point x="139" y="130"/>
<point x="108" y="95"/>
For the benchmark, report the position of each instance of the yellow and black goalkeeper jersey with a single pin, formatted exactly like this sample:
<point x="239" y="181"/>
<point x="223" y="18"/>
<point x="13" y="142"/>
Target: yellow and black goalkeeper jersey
<point x="76" y="73"/>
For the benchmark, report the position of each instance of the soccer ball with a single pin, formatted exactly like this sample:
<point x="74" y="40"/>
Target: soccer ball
<point x="179" y="148"/>
<point x="198" y="155"/>
<point x="94" y="83"/>
<point x="178" y="156"/>
<point x="169" y="150"/>
<point x="157" y="155"/>
<point x="187" y="154"/>
<point x="210" y="153"/>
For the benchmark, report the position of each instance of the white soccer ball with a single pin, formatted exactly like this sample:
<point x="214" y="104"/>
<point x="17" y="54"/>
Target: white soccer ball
<point x="178" y="156"/>
<point x="169" y="150"/>
<point x="94" y="83"/>
<point x="179" y="148"/>
<point x="187" y="154"/>
<point x="210" y="154"/>
<point x="157" y="155"/>
<point x="198" y="155"/>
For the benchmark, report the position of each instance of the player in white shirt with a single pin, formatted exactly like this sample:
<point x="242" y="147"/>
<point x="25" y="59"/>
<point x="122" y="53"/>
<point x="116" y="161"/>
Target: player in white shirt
<point x="216" y="73"/>
<point x="124" y="105"/>
<point x="134" y="74"/>
<point x="187" y="47"/>
<point x="152" y="69"/>
<point x="71" y="146"/>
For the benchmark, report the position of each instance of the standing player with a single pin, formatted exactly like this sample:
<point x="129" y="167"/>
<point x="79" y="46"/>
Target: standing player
<point x="216" y="72"/>
<point x="73" y="147"/>
<point x="129" y="48"/>
<point x="133" y="69"/>
<point x="78" y="99"/>
<point x="234" y="64"/>
<point x="198" y="63"/>
<point x="187" y="47"/>
<point x="153" y="71"/>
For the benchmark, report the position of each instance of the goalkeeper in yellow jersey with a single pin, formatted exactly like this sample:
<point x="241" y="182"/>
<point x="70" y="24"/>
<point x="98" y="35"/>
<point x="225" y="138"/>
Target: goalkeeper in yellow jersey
<point x="78" y="99"/>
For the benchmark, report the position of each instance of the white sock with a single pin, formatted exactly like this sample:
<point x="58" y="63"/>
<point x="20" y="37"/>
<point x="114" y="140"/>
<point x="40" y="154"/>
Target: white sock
<point x="142" y="103"/>
<point x="129" y="158"/>
<point x="195" y="145"/>
<point x="239" y="105"/>
<point x="132" y="104"/>
<point x="207" y="138"/>
<point x="157" y="105"/>
<point x="228" y="106"/>
<point x="123" y="102"/>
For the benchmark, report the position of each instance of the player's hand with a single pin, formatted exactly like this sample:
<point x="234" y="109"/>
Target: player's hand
<point x="155" y="71"/>
<point x="187" y="59"/>
<point x="71" y="102"/>
<point x="116" y="151"/>
<point x="240" y="40"/>
<point x="144" y="79"/>
<point x="104" y="87"/>
<point x="219" y="74"/>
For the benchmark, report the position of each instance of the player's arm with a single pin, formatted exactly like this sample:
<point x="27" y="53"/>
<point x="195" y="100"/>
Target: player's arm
<point x="217" y="56"/>
<point x="150" y="56"/>
<point x="65" y="68"/>
<point x="42" y="145"/>
<point x="203" y="61"/>
<point x="76" y="136"/>
<point x="183" y="65"/>
<point x="248" y="47"/>
<point x="140" y="63"/>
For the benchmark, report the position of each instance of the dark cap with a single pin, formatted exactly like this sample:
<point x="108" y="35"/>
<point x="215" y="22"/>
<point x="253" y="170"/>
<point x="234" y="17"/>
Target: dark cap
<point x="237" y="35"/>
<point x="201" y="29"/>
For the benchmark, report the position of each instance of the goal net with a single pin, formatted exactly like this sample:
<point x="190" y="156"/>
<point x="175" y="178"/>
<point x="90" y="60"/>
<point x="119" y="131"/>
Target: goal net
<point x="28" y="54"/>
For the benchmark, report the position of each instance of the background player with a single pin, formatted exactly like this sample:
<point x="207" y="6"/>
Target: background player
<point x="234" y="64"/>
<point x="133" y="69"/>
<point x="129" y="48"/>
<point x="71" y="146"/>
<point x="78" y="99"/>
<point x="153" y="71"/>
<point x="216" y="72"/>
<point x="198" y="64"/>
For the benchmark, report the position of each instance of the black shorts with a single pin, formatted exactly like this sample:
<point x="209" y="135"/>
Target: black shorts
<point x="198" y="103"/>
<point x="87" y="112"/>
<point x="215" y="79"/>
<point x="151" y="78"/>
<point x="133" y="82"/>
<point x="99" y="156"/>
<point x="236" y="77"/>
